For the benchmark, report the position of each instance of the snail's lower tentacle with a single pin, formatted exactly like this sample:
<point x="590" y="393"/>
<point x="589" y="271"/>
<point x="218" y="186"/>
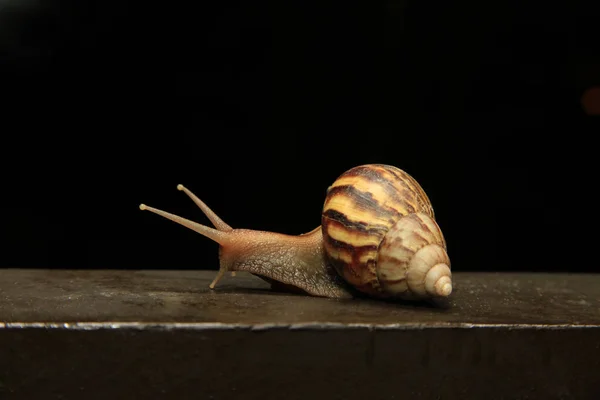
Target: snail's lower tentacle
<point x="218" y="277"/>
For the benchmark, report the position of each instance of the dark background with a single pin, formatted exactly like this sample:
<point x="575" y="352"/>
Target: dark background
<point x="258" y="106"/>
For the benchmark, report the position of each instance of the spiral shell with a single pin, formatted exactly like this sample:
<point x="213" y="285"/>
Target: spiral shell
<point x="380" y="234"/>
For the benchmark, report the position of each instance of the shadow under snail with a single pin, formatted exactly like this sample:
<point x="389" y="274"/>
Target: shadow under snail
<point x="378" y="237"/>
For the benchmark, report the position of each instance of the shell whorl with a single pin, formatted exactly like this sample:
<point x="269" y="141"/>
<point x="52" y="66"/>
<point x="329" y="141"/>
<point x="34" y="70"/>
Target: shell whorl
<point x="380" y="234"/>
<point x="412" y="259"/>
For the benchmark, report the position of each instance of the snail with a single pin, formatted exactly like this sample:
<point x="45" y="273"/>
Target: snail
<point x="378" y="238"/>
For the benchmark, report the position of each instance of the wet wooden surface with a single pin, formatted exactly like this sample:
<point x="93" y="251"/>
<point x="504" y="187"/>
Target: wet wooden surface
<point x="101" y="334"/>
<point x="183" y="296"/>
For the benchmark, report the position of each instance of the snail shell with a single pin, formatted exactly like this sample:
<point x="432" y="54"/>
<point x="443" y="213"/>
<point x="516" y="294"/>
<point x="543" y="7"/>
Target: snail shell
<point x="380" y="234"/>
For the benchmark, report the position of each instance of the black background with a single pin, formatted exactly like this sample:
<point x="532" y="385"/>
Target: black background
<point x="258" y="106"/>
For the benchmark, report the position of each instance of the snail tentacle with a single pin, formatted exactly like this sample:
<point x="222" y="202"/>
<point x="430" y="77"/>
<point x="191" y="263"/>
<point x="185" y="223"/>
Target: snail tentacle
<point x="218" y="236"/>
<point x="214" y="234"/>
<point x="212" y="216"/>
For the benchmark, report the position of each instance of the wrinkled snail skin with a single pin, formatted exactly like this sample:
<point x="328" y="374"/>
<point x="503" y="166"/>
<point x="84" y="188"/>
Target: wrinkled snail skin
<point x="378" y="237"/>
<point x="294" y="263"/>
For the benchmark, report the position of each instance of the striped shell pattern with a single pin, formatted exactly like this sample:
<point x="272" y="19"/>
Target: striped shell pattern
<point x="381" y="236"/>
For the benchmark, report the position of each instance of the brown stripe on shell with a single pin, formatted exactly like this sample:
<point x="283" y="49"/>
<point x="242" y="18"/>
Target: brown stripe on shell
<point x="363" y="200"/>
<point x="437" y="232"/>
<point x="414" y="186"/>
<point x="353" y="236"/>
<point x="410" y="187"/>
<point x="384" y="189"/>
<point x="405" y="194"/>
<point x="340" y="251"/>
<point x="398" y="192"/>
<point x="339" y="244"/>
<point x="419" y="237"/>
<point x="360" y="226"/>
<point x="361" y="275"/>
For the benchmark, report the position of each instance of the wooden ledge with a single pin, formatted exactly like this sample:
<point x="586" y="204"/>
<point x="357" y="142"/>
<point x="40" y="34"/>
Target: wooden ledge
<point x="164" y="334"/>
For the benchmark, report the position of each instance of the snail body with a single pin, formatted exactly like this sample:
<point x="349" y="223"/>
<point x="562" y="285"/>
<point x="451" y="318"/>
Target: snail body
<point x="378" y="237"/>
